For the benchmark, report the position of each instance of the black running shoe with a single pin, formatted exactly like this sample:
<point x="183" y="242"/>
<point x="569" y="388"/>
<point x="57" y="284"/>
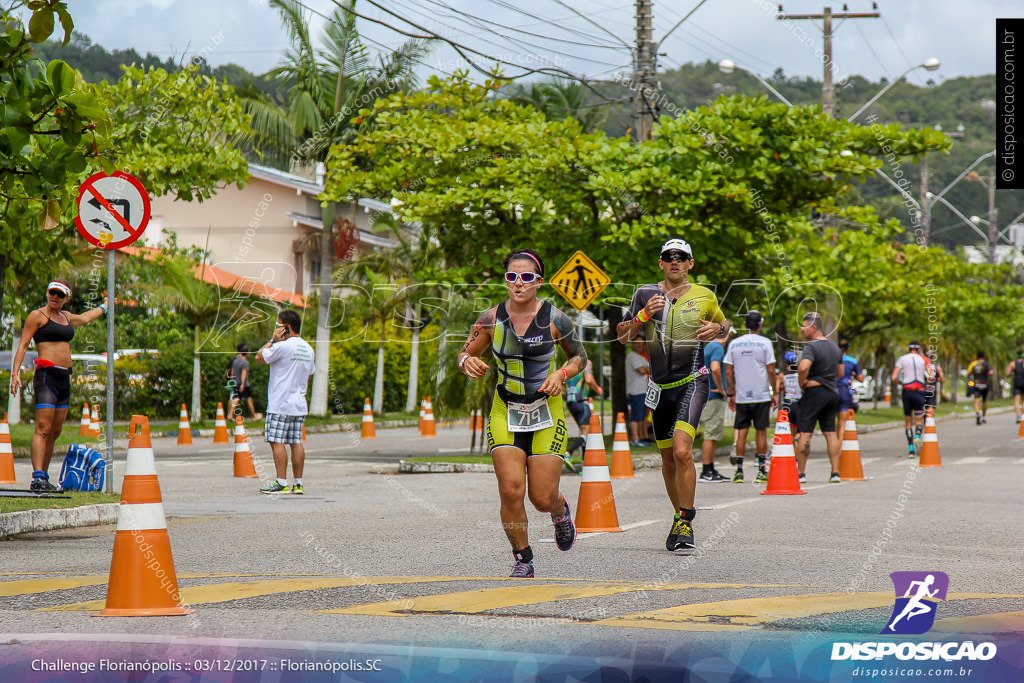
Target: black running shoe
<point x="712" y="476"/>
<point x="41" y="485"/>
<point x="684" y="535"/>
<point x="670" y="542"/>
<point x="565" y="530"/>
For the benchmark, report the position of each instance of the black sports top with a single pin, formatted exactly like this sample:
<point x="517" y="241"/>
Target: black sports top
<point x="523" y="362"/>
<point x="53" y="331"/>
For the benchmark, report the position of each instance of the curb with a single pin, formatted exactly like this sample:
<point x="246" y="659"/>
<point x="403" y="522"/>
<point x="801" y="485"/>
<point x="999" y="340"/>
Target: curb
<point x="26" y="521"/>
<point x="641" y="462"/>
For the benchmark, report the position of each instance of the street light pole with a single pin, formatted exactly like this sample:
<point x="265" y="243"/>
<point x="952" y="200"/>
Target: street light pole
<point x="728" y="66"/>
<point x="930" y="64"/>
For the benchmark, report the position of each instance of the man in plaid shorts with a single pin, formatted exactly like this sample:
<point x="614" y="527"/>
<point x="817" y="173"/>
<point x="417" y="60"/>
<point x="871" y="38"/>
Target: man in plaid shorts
<point x="291" y="363"/>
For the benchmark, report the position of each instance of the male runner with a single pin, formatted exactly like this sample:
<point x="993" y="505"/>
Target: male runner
<point x="978" y="374"/>
<point x="913" y="367"/>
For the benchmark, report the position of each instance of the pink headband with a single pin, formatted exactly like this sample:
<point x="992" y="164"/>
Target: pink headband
<point x="539" y="266"/>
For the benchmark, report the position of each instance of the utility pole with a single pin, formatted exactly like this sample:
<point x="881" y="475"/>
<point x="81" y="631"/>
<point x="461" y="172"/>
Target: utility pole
<point x="926" y="205"/>
<point x="991" y="181"/>
<point x="827" y="90"/>
<point x="644" y="71"/>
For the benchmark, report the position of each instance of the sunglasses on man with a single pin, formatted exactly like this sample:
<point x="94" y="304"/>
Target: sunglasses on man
<point x="675" y="256"/>
<point x="527" y="277"/>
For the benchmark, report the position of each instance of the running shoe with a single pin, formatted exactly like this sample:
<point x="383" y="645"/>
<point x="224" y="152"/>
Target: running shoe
<point x="522" y="570"/>
<point x="984" y="420"/>
<point x="41" y="485"/>
<point x="917" y="444"/>
<point x="297" y="488"/>
<point x="738" y="477"/>
<point x="684" y="535"/>
<point x="712" y="476"/>
<point x="835" y="478"/>
<point x="803" y="478"/>
<point x="977" y="419"/>
<point x="565" y="530"/>
<point x="275" y="487"/>
<point x="670" y="542"/>
<point x="762" y="476"/>
<point x="911" y="453"/>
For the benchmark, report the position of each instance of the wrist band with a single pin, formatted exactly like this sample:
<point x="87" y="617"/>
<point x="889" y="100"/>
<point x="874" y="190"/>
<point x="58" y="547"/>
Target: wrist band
<point x="462" y="361"/>
<point x="642" y="317"/>
<point x="565" y="375"/>
<point x="103" y="307"/>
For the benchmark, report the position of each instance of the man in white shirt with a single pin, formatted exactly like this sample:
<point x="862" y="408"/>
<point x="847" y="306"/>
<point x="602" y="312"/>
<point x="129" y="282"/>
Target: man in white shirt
<point x="750" y="376"/>
<point x="291" y="363"/>
<point x="913" y="372"/>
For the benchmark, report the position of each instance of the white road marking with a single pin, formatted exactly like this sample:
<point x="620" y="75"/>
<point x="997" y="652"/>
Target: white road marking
<point x="624" y="527"/>
<point x="973" y="460"/>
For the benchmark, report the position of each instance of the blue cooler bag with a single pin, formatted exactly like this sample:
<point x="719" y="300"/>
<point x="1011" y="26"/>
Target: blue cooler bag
<point x="83" y="469"/>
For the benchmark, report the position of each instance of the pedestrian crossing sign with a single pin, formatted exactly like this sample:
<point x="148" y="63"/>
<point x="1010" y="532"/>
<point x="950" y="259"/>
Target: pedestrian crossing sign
<point x="580" y="281"/>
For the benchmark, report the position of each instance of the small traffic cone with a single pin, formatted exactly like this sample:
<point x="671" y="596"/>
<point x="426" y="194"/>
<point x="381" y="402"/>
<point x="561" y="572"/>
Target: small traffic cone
<point x="476" y="421"/>
<point x="595" y="506"/>
<point x="220" y="426"/>
<point x="184" y="430"/>
<point x="6" y="454"/>
<point x="428" y="421"/>
<point x="1020" y="431"/>
<point x="930" y="442"/>
<point x="423" y="412"/>
<point x="94" y="425"/>
<point x="85" y="427"/>
<point x="622" y="458"/>
<point x="303" y="431"/>
<point x="243" y="456"/>
<point x="849" y="458"/>
<point x="783" y="478"/>
<point x="368" y="432"/>
<point x="142" y="579"/>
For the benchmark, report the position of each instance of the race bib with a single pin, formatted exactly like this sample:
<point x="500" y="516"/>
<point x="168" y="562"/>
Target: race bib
<point x="791" y="383"/>
<point x="529" y="417"/>
<point x="653" y="395"/>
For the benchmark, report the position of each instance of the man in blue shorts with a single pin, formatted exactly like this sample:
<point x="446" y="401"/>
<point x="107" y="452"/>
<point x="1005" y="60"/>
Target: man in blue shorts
<point x="912" y="371"/>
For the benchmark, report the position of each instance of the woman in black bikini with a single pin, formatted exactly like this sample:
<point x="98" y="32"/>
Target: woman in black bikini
<point x="52" y="330"/>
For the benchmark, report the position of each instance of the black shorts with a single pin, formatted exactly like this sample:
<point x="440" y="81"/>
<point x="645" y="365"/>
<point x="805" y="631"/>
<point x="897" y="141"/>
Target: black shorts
<point x="244" y="394"/>
<point x="979" y="393"/>
<point x="580" y="412"/>
<point x="931" y="397"/>
<point x="679" y="408"/>
<point x="818" y="406"/>
<point x="793" y="408"/>
<point x="52" y="387"/>
<point x="1018" y="389"/>
<point x="757" y="414"/>
<point x="913" y="402"/>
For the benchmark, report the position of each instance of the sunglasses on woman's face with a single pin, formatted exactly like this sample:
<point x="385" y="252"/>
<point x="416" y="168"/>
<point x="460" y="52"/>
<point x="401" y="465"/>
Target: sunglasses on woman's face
<point x="57" y="293"/>
<point x="527" y="278"/>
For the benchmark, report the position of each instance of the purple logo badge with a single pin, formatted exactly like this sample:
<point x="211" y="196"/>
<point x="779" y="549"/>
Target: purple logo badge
<point x="917" y="594"/>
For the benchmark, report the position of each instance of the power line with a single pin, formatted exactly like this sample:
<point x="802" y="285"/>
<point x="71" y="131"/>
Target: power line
<point x="688" y="14"/>
<point x="591" y="21"/>
<point x="547" y="21"/>
<point x="872" y="49"/>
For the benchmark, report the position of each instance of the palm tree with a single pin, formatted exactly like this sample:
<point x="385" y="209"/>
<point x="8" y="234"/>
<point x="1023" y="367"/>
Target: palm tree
<point x="559" y="99"/>
<point x="325" y="89"/>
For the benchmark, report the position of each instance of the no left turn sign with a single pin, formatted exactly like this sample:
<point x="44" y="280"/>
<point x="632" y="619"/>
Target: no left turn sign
<point x="113" y="210"/>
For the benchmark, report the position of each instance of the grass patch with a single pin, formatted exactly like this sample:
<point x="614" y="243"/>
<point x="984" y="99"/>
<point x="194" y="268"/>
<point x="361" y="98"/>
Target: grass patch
<point x="77" y="499"/>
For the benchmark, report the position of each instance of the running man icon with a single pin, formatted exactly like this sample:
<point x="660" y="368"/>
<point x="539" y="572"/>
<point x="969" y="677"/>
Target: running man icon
<point x="916" y="596"/>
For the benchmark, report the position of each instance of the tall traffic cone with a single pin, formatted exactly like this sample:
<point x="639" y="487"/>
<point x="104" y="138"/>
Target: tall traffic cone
<point x="220" y="426"/>
<point x="428" y="420"/>
<point x="368" y="432"/>
<point x="1020" y="431"/>
<point x="184" y="430"/>
<point x="930" y="442"/>
<point x="6" y="454"/>
<point x="142" y="579"/>
<point x="94" y="425"/>
<point x="849" y="458"/>
<point x="243" y="456"/>
<point x="783" y="478"/>
<point x="595" y="506"/>
<point x="85" y="427"/>
<point x="622" y="458"/>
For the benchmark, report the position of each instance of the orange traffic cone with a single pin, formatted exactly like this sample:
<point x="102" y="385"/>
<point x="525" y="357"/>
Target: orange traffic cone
<point x="622" y="458"/>
<point x="85" y="427"/>
<point x="930" y="442"/>
<point x="595" y="506"/>
<point x="6" y="454"/>
<point x="303" y="431"/>
<point x="184" y="430"/>
<point x="423" y="412"/>
<point x="94" y="426"/>
<point x="849" y="458"/>
<point x="428" y="420"/>
<point x="783" y="479"/>
<point x="1020" y="432"/>
<point x="476" y="421"/>
<point x="243" y="456"/>
<point x="368" y="432"/>
<point x="142" y="579"/>
<point x="220" y="426"/>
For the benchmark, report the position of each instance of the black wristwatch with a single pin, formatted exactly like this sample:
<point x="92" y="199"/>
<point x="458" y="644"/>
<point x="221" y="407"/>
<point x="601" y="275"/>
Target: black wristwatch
<point x="721" y="328"/>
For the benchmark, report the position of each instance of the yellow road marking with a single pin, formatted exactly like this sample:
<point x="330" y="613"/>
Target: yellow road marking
<point x="26" y="586"/>
<point x="1001" y="622"/>
<point x="225" y="592"/>
<point x="739" y="615"/>
<point x="476" y="601"/>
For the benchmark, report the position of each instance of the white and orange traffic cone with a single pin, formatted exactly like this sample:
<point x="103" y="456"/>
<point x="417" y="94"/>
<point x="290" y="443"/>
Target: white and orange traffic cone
<point x="94" y="425"/>
<point x="368" y="430"/>
<point x="303" y="431"/>
<point x="184" y="429"/>
<point x="220" y="426"/>
<point x="428" y="420"/>
<point x="930" y="456"/>
<point x="142" y="579"/>
<point x="476" y="421"/>
<point x="622" y="457"/>
<point x="1020" y="430"/>
<point x="243" y="456"/>
<point x="850" y="468"/>
<point x="595" y="505"/>
<point x="423" y="412"/>
<point x="6" y="454"/>
<point x="783" y="477"/>
<point x="85" y="426"/>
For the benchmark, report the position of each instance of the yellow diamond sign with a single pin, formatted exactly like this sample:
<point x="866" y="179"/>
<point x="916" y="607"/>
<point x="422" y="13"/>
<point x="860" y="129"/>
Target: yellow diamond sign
<point x="580" y="281"/>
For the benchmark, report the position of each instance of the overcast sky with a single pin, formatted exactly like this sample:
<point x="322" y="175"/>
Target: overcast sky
<point x="960" y="33"/>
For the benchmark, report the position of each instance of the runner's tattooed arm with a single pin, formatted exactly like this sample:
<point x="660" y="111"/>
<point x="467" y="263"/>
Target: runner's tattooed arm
<point x="477" y="342"/>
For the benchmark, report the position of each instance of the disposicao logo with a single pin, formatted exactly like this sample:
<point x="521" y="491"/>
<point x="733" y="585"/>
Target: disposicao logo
<point x="917" y="594"/>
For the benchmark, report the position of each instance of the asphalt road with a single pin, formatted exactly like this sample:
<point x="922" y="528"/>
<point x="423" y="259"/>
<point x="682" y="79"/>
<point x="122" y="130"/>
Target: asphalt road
<point x="410" y="570"/>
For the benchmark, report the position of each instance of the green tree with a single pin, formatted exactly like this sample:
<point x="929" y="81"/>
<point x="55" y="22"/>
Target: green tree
<point x="559" y="99"/>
